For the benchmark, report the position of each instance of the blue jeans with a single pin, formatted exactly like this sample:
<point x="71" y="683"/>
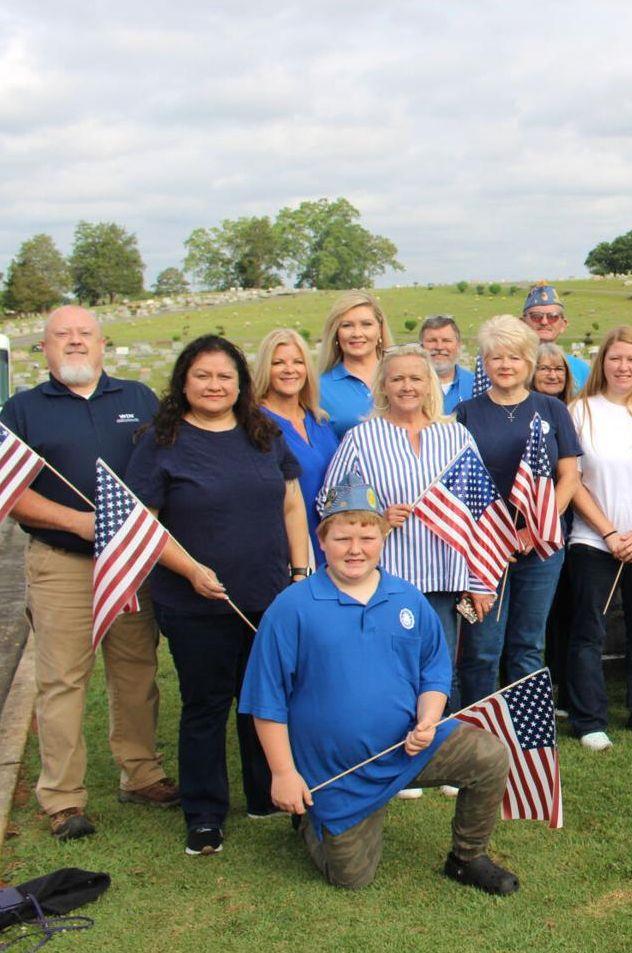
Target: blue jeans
<point x="520" y="631"/>
<point x="592" y="573"/>
<point x="210" y="653"/>
<point x="444" y="604"/>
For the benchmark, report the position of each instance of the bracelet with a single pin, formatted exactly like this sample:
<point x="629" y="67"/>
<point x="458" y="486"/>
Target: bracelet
<point x="611" y="533"/>
<point x="299" y="571"/>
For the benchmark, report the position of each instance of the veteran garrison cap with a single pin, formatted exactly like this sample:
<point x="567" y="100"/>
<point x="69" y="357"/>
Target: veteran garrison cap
<point x="542" y="294"/>
<point x="352" y="493"/>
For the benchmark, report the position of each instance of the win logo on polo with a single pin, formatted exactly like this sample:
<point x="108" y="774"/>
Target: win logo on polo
<point x="127" y="419"/>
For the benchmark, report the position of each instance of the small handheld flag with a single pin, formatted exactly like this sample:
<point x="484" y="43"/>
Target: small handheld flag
<point x="19" y="465"/>
<point x="482" y="382"/>
<point x="533" y="494"/>
<point x="128" y="541"/>
<point x="464" y="508"/>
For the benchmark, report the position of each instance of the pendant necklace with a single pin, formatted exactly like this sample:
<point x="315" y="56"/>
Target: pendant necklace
<point x="510" y="413"/>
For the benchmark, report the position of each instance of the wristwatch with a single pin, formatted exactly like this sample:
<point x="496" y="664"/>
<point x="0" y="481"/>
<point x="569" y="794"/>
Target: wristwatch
<point x="300" y="571"/>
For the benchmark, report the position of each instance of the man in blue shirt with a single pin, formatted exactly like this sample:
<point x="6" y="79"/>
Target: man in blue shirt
<point x="544" y="312"/>
<point x="440" y="336"/>
<point x="343" y="666"/>
<point x="76" y="416"/>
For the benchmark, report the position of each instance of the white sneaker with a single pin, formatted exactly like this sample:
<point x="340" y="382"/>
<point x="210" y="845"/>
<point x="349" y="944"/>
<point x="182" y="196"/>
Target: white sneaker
<point x="449" y="790"/>
<point x="596" y="741"/>
<point x="561" y="713"/>
<point x="409" y="794"/>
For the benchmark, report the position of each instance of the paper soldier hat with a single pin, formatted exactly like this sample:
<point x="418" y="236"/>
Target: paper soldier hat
<point x="542" y="294"/>
<point x="352" y="493"/>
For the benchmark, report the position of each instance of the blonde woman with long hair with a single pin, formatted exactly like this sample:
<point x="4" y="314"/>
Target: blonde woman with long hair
<point x="601" y="538"/>
<point x="286" y="388"/>
<point x="399" y="451"/>
<point x="355" y="336"/>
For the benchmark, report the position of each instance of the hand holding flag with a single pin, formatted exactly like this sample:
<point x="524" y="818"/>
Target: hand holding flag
<point x="533" y="494"/>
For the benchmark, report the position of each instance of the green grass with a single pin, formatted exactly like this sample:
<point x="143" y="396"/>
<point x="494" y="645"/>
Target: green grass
<point x="262" y="893"/>
<point x="588" y="303"/>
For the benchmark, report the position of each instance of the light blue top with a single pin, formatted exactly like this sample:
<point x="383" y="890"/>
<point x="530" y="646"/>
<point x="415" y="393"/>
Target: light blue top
<point x="313" y="456"/>
<point x="460" y="389"/>
<point x="346" y="399"/>
<point x="579" y="369"/>
<point x="345" y="678"/>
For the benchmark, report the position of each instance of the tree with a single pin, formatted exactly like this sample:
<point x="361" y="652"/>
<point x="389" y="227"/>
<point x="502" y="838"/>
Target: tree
<point x="462" y="286"/>
<point x="105" y="262"/>
<point x="37" y="278"/>
<point x="324" y="245"/>
<point x="611" y="257"/>
<point x="242" y="253"/>
<point x="171" y="281"/>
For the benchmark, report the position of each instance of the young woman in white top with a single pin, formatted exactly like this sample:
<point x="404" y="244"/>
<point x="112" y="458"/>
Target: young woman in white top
<point x="601" y="537"/>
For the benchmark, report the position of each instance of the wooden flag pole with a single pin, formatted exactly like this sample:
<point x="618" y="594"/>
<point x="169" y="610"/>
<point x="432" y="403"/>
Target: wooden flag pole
<point x="68" y="483"/>
<point x="614" y="586"/>
<point x="179" y="545"/>
<point x="400" y="744"/>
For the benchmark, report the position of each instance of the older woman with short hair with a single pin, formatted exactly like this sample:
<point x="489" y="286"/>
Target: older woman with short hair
<point x="354" y="337"/>
<point x="399" y="451"/>
<point x="500" y="421"/>
<point x="286" y="388"/>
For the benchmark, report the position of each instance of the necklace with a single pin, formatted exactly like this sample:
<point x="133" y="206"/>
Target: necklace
<point x="510" y="413"/>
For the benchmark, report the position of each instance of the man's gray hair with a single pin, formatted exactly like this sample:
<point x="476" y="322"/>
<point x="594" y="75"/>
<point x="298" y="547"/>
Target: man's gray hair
<point x="434" y="322"/>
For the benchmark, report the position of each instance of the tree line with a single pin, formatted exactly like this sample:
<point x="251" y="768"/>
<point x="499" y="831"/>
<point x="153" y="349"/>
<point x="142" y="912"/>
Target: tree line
<point x="611" y="258"/>
<point x="319" y="244"/>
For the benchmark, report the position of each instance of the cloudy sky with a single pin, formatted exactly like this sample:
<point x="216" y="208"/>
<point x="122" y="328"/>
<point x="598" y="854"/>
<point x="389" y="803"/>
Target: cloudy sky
<point x="487" y="139"/>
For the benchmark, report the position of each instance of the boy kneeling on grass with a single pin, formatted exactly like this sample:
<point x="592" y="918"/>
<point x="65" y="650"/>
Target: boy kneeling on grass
<point x="344" y="665"/>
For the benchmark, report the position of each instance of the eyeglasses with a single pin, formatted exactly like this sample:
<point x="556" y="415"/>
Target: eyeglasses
<point x="540" y="316"/>
<point x="545" y="369"/>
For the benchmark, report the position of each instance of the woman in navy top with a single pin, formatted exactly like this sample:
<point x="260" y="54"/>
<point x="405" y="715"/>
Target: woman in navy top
<point x="286" y="387"/>
<point x="221" y="478"/>
<point x="354" y="338"/>
<point x="500" y="421"/>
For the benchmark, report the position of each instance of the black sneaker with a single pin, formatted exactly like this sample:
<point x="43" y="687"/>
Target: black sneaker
<point x="70" y="824"/>
<point x="204" y="840"/>
<point x="483" y="873"/>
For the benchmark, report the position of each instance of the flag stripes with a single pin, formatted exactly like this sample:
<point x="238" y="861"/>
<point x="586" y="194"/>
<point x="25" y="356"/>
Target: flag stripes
<point x="19" y="465"/>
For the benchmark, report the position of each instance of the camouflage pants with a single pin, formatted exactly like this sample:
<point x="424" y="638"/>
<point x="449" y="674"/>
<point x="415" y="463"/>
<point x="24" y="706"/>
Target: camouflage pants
<point x="470" y="759"/>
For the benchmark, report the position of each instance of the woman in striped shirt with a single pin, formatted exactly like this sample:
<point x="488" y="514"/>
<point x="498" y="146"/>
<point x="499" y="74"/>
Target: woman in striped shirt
<point x="399" y="451"/>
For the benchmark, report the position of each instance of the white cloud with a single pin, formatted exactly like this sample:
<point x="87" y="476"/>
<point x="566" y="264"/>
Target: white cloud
<point x="485" y="139"/>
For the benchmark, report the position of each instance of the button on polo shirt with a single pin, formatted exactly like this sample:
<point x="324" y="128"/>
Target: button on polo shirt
<point x="345" y="677"/>
<point x="70" y="432"/>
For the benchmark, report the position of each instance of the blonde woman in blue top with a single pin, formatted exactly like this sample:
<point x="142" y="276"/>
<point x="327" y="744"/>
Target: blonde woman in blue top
<point x="399" y="451"/>
<point x="354" y="338"/>
<point x="286" y="388"/>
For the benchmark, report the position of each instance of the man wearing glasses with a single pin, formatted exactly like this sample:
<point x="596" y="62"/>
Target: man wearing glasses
<point x="544" y="312"/>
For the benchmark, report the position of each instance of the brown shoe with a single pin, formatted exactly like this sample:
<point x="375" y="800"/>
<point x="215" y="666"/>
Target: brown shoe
<point x="163" y="793"/>
<point x="70" y="824"/>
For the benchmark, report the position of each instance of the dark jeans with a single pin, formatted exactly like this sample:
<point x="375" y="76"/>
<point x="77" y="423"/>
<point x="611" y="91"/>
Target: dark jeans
<point x="558" y="630"/>
<point x="531" y="584"/>
<point x="210" y="653"/>
<point x="592" y="572"/>
<point x="444" y="604"/>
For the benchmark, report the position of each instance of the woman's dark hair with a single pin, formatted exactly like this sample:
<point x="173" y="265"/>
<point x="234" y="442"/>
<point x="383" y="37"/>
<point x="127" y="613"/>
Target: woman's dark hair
<point x="174" y="405"/>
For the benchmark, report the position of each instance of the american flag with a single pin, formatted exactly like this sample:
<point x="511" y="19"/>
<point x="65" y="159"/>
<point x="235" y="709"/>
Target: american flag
<point x="19" y="465"/>
<point x="482" y="382"/>
<point x="523" y="718"/>
<point x="128" y="541"/>
<point x="533" y="494"/>
<point x="464" y="508"/>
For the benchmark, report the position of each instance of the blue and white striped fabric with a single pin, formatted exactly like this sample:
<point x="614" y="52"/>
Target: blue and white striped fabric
<point x="383" y="455"/>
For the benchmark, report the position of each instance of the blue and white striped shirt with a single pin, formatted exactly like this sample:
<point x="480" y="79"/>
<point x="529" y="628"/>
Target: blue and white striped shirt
<point x="383" y="455"/>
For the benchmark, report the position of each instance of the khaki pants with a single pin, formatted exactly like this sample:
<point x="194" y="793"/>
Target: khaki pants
<point x="59" y="606"/>
<point x="470" y="758"/>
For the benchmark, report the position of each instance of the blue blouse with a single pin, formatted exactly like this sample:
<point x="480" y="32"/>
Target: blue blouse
<point x="346" y="399"/>
<point x="313" y="457"/>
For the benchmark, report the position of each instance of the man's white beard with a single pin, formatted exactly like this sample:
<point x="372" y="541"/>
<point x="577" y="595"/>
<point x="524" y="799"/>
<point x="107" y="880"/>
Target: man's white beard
<point x="76" y="375"/>
<point x="445" y="366"/>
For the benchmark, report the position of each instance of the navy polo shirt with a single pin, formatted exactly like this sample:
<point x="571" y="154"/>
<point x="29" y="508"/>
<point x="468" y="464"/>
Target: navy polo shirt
<point x="346" y="399"/>
<point x="345" y="678"/>
<point x="70" y="432"/>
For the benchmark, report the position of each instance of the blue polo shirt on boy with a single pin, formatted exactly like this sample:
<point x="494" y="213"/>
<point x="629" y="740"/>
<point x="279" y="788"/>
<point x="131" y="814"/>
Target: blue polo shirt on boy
<point x="345" y="678"/>
<point x="346" y="399"/>
<point x="70" y="432"/>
